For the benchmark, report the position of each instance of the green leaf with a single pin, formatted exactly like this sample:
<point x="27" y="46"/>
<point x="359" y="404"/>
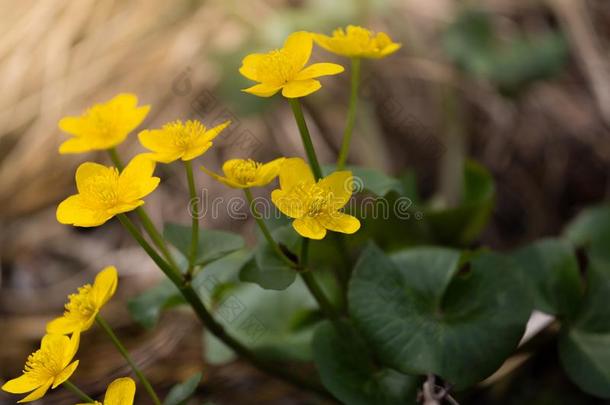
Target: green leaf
<point x="554" y="279"/>
<point x="423" y="316"/>
<point x="584" y="346"/>
<point x="264" y="320"/>
<point x="268" y="270"/>
<point x="146" y="308"/>
<point x="213" y="244"/>
<point x="461" y="225"/>
<point x="348" y="372"/>
<point x="181" y="392"/>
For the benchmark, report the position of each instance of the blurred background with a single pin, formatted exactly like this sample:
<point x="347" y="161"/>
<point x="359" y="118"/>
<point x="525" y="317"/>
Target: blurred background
<point x="521" y="86"/>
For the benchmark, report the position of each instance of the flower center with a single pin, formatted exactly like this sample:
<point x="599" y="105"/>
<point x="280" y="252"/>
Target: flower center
<point x="43" y="364"/>
<point x="278" y="66"/>
<point x="80" y="304"/>
<point x="103" y="189"/>
<point x="316" y="199"/>
<point x="245" y="171"/>
<point x="183" y="135"/>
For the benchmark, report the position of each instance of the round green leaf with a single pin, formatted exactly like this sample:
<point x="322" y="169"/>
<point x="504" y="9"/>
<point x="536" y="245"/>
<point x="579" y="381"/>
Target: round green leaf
<point x="422" y="316"/>
<point x="348" y="372"/>
<point x="181" y="392"/>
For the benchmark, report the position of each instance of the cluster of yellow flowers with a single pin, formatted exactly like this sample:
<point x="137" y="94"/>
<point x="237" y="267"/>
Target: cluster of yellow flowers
<point x="313" y="201"/>
<point x="52" y="364"/>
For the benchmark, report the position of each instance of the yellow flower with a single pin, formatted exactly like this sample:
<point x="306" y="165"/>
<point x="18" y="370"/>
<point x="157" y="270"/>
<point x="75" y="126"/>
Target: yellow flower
<point x="83" y="306"/>
<point x="246" y="173"/>
<point x="104" y="125"/>
<point x="46" y="368"/>
<point x="285" y="69"/>
<point x="178" y="140"/>
<point x="315" y="206"/>
<point x="357" y="42"/>
<point x="120" y="392"/>
<point x="103" y="192"/>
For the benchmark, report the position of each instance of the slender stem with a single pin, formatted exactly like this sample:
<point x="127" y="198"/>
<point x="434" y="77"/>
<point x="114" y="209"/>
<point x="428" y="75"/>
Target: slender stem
<point x="114" y="156"/>
<point x="117" y="343"/>
<point x="143" y="215"/>
<point x="313" y="286"/>
<point x="77" y="391"/>
<point x="155" y="235"/>
<point x="351" y="113"/>
<point x="191" y="296"/>
<point x="266" y="233"/>
<point x="171" y="272"/>
<point x="188" y="166"/>
<point x="305" y="137"/>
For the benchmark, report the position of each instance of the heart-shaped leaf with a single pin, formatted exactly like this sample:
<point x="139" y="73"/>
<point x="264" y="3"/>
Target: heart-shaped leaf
<point x="422" y="316"/>
<point x="181" y="392"/>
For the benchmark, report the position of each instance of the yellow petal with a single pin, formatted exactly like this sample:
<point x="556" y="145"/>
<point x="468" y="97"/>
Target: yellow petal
<point x="300" y="88"/>
<point x="120" y="392"/>
<point x="340" y="186"/>
<point x="319" y="69"/>
<point x="71" y="125"/>
<point x="250" y="66"/>
<point x="263" y="90"/>
<point x="269" y="171"/>
<point x="158" y="141"/>
<point x="290" y="204"/>
<point x="129" y="115"/>
<point x="324" y="41"/>
<point x="74" y="145"/>
<point x="76" y="211"/>
<point x="65" y="374"/>
<point x="22" y="384"/>
<point x="212" y="133"/>
<point x="38" y="393"/>
<point x="196" y="150"/>
<point x="64" y="325"/>
<point x="224" y="180"/>
<point x="72" y="347"/>
<point x="104" y="286"/>
<point x="87" y="171"/>
<point x="295" y="171"/>
<point x="309" y="227"/>
<point x="298" y="45"/>
<point x="339" y="222"/>
<point x="390" y="49"/>
<point x="136" y="180"/>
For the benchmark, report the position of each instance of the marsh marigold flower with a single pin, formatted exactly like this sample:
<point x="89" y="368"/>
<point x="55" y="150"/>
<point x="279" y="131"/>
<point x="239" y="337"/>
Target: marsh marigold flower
<point x="103" y="192"/>
<point x="285" y="69"/>
<point x="120" y="392"/>
<point x="357" y="42"/>
<point x="178" y="140"/>
<point x="314" y="205"/>
<point x="83" y="306"/>
<point x="46" y="368"/>
<point x="104" y="125"/>
<point x="246" y="173"/>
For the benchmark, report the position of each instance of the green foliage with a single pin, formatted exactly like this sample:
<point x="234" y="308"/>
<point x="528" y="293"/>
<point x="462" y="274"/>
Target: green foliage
<point x="461" y="225"/>
<point x="551" y="270"/>
<point x="146" y="308"/>
<point x="348" y="370"/>
<point x="181" y="392"/>
<point x="510" y="64"/>
<point x="213" y="244"/>
<point x="422" y="315"/>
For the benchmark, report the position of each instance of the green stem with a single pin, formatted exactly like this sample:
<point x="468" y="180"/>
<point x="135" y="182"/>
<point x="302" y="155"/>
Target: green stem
<point x="191" y="296"/>
<point x="305" y="137"/>
<point x="143" y="215"/>
<point x="116" y="159"/>
<point x="117" y="343"/>
<point x="188" y="166"/>
<point x="313" y="286"/>
<point x="77" y="391"/>
<point x="351" y="113"/>
<point x="265" y="230"/>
